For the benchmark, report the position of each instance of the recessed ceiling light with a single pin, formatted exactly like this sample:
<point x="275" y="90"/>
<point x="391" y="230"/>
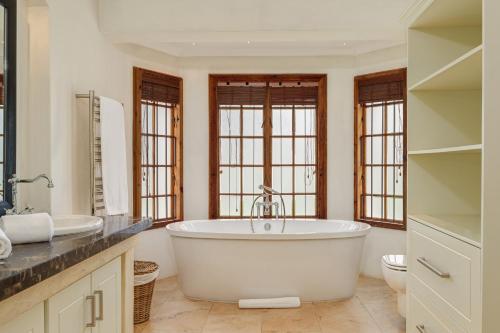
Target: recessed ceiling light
<point x="193" y="43"/>
<point x="248" y="42"/>
<point x="345" y="44"/>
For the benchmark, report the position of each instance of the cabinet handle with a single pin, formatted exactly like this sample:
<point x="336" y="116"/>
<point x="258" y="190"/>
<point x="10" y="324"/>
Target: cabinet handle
<point x="421" y="328"/>
<point x="92" y="311"/>
<point x="100" y="293"/>
<point x="433" y="269"/>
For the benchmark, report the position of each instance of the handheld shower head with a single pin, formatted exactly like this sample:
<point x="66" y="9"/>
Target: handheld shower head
<point x="268" y="189"/>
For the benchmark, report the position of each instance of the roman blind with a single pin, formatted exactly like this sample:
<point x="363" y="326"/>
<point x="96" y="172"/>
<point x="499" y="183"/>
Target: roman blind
<point x="160" y="88"/>
<point x="241" y="93"/>
<point x="377" y="89"/>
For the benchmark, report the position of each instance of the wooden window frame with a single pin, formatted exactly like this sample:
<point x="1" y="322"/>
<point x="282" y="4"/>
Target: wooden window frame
<point x="321" y="135"/>
<point x="359" y="130"/>
<point x="177" y="168"/>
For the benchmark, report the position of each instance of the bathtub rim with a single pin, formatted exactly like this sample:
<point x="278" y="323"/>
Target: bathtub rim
<point x="174" y="231"/>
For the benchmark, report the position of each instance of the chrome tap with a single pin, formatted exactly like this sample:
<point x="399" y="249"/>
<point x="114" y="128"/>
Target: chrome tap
<point x="268" y="204"/>
<point x="14" y="180"/>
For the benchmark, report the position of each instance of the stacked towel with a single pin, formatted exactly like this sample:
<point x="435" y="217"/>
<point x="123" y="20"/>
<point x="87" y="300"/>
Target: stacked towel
<point x="28" y="228"/>
<point x="5" y="245"/>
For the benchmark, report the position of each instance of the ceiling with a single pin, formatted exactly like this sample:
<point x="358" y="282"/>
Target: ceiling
<point x="255" y="27"/>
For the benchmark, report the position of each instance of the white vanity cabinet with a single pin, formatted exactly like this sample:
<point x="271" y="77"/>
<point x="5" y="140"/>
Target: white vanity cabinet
<point x="69" y="310"/>
<point x="106" y="287"/>
<point x="90" y="305"/>
<point x="444" y="282"/>
<point x="31" y="321"/>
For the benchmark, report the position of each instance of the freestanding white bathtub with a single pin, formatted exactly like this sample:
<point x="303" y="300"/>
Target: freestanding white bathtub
<point x="222" y="260"/>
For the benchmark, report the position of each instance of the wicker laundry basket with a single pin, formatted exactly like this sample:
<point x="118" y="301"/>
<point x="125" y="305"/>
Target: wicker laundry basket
<point x="145" y="274"/>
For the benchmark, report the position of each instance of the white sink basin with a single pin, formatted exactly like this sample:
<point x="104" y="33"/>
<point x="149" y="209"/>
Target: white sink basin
<point x="73" y="224"/>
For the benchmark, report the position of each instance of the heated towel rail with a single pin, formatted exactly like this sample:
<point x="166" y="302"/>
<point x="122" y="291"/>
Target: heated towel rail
<point x="96" y="187"/>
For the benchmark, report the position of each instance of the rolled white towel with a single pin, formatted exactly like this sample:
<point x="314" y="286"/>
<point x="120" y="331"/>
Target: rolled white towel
<point x="5" y="245"/>
<point x="28" y="228"/>
<point x="269" y="303"/>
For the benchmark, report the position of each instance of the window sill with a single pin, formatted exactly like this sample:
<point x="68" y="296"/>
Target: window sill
<point x="384" y="224"/>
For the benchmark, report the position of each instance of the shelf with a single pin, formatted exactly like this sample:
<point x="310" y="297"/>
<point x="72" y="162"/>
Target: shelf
<point x="448" y="150"/>
<point x="464" y="227"/>
<point x="446" y="13"/>
<point x="464" y="73"/>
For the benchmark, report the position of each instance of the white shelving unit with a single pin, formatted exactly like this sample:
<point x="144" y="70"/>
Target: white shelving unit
<point x="445" y="116"/>
<point x="464" y="73"/>
<point x="449" y="150"/>
<point x="445" y="165"/>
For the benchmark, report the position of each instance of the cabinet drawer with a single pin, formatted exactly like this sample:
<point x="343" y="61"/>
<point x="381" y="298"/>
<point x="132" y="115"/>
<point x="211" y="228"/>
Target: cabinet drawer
<point x="444" y="264"/>
<point x="422" y="319"/>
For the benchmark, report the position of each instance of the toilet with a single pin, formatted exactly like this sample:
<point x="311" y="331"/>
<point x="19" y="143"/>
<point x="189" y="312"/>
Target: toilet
<point x="394" y="270"/>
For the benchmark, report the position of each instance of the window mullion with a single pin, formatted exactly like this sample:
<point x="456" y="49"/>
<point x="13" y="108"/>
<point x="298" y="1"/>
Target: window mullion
<point x="268" y="129"/>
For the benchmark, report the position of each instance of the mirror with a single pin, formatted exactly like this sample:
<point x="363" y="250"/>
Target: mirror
<point x="7" y="100"/>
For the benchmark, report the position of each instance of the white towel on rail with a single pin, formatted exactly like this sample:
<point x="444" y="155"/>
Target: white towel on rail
<point x="113" y="156"/>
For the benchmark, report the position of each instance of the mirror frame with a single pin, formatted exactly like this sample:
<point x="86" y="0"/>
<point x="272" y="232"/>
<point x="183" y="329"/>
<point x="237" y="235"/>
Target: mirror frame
<point x="10" y="99"/>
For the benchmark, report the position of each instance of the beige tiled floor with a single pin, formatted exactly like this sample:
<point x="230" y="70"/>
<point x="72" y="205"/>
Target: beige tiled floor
<point x="371" y="310"/>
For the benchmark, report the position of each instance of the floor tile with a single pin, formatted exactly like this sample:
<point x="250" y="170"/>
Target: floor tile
<point x="371" y="310"/>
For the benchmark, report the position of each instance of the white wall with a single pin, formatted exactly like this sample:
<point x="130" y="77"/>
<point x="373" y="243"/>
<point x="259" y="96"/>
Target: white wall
<point x="80" y="58"/>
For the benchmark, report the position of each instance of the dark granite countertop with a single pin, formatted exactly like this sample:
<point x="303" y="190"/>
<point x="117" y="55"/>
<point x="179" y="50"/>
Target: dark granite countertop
<point x="30" y="264"/>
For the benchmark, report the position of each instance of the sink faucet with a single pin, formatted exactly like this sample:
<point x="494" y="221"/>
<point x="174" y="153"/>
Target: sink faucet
<point x="14" y="180"/>
<point x="268" y="204"/>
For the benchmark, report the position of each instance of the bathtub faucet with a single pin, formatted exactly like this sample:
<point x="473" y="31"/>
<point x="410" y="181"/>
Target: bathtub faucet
<point x="268" y="204"/>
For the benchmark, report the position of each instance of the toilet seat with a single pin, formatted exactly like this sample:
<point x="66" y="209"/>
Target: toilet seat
<point x="395" y="262"/>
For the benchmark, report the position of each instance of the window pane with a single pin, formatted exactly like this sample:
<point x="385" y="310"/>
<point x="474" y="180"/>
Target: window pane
<point x="288" y="199"/>
<point x="253" y="151"/>
<point x="305" y="121"/>
<point x="283" y="179"/>
<point x="282" y="120"/>
<point x="399" y="209"/>
<point x="390" y="208"/>
<point x="305" y="179"/>
<point x="162" y="208"/>
<point x="161" y="120"/>
<point x="399" y="181"/>
<point x="368" y="150"/>
<point x="377" y="207"/>
<point x="230" y="151"/>
<point x="310" y="205"/>
<point x="399" y="118"/>
<point x="147" y="119"/>
<point x="390" y="180"/>
<point x="230" y="121"/>
<point x="229" y="180"/>
<point x="390" y="150"/>
<point x="161" y="174"/>
<point x="368" y="206"/>
<point x="252" y="178"/>
<point x="377" y="118"/>
<point x="161" y="150"/>
<point x="389" y="114"/>
<point x="305" y="150"/>
<point x="229" y="205"/>
<point x="169" y="120"/>
<point x="252" y="122"/>
<point x="377" y="180"/>
<point x="368" y="120"/>
<point x="368" y="179"/>
<point x="169" y="179"/>
<point x="282" y="151"/>
<point x="376" y="150"/>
